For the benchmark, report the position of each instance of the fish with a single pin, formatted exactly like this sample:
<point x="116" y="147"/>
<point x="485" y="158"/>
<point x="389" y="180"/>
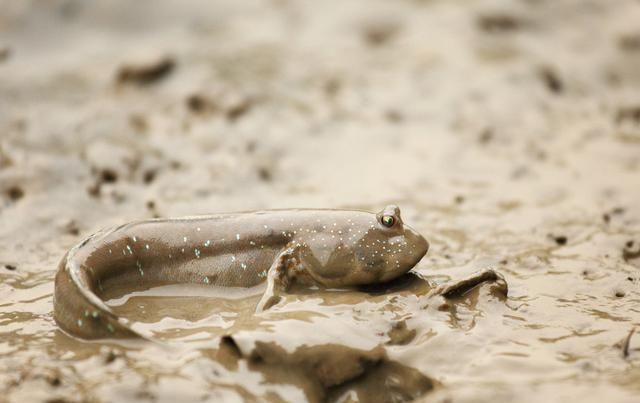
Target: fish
<point x="329" y="248"/>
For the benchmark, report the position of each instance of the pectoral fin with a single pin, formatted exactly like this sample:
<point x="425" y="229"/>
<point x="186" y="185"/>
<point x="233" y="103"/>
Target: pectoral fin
<point x="278" y="278"/>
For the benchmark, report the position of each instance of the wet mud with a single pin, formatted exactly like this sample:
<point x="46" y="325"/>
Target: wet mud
<point x="507" y="131"/>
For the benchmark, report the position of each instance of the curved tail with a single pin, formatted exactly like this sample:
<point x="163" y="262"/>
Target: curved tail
<point x="78" y="310"/>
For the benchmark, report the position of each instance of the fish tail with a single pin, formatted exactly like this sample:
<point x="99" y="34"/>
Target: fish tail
<point x="79" y="312"/>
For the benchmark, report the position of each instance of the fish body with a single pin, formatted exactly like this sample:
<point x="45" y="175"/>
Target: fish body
<point x="328" y="248"/>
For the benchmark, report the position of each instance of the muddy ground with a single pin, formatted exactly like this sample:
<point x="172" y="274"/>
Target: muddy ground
<point x="507" y="131"/>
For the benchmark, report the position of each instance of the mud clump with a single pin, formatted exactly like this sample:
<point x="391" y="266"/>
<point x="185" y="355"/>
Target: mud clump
<point x="328" y="373"/>
<point x="14" y="193"/>
<point x="630" y="251"/>
<point x="111" y="356"/>
<point x="551" y="80"/>
<point x="5" y="53"/>
<point x="108" y="176"/>
<point x="265" y="173"/>
<point x="609" y="215"/>
<point x="460" y="287"/>
<point x="200" y="104"/>
<point x="239" y="109"/>
<point x="388" y="381"/>
<point x="196" y="103"/>
<point x="629" y="42"/>
<point x="71" y="228"/>
<point x="139" y="123"/>
<point x="394" y="116"/>
<point x="102" y="177"/>
<point x="378" y="33"/>
<point x="400" y="334"/>
<point x="5" y="160"/>
<point x="560" y="240"/>
<point x="499" y="23"/>
<point x="627" y="120"/>
<point x="146" y="74"/>
<point x="629" y="113"/>
<point x="149" y="176"/>
<point x="53" y="379"/>
<point x="152" y="208"/>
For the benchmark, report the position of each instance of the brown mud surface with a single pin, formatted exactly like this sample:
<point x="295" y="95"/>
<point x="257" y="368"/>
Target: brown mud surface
<point x="507" y="131"/>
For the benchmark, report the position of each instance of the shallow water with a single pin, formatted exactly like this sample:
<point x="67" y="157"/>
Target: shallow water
<point x="508" y="133"/>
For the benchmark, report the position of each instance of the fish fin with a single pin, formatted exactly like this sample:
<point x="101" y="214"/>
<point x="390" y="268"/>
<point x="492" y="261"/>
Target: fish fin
<point x="278" y="278"/>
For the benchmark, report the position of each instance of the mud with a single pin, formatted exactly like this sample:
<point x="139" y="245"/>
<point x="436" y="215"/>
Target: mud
<point x="507" y="131"/>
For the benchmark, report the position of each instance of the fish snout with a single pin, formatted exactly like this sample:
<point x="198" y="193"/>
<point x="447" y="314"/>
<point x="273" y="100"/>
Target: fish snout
<point x="414" y="247"/>
<point x="420" y="245"/>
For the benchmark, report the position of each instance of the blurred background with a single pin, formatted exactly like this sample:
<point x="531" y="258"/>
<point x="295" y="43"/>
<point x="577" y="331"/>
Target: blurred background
<point x="507" y="131"/>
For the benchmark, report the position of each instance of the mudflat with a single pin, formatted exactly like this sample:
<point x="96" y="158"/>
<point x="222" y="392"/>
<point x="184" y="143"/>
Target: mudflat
<point x="508" y="133"/>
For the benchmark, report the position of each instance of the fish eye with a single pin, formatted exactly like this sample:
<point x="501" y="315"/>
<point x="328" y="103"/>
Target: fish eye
<point x="388" y="221"/>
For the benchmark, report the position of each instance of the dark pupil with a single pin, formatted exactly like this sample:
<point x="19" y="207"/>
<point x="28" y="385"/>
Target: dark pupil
<point x="387" y="221"/>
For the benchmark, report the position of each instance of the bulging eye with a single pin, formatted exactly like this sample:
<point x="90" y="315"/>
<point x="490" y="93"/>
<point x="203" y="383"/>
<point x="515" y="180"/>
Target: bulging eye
<point x="388" y="221"/>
